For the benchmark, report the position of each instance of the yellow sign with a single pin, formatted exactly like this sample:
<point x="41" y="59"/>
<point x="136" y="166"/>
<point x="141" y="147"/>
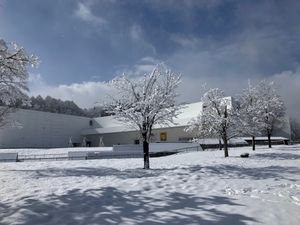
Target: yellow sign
<point x="163" y="136"/>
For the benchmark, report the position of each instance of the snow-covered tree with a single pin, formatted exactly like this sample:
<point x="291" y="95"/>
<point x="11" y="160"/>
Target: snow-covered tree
<point x="218" y="118"/>
<point x="145" y="102"/>
<point x="271" y="106"/>
<point x="250" y="113"/>
<point x="13" y="76"/>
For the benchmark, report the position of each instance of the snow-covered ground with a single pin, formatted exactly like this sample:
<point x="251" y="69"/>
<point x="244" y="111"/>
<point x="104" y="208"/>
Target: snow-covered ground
<point x="190" y="188"/>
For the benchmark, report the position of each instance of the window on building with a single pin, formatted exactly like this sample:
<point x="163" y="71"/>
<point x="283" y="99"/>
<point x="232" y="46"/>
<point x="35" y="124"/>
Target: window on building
<point x="163" y="136"/>
<point x="91" y="122"/>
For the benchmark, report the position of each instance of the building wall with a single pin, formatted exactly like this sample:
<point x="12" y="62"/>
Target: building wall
<point x="33" y="129"/>
<point x="174" y="134"/>
<point x="113" y="138"/>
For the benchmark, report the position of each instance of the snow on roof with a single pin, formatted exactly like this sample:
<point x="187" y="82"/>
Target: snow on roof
<point x="107" y="130"/>
<point x="190" y="110"/>
<point x="109" y="124"/>
<point x="108" y="121"/>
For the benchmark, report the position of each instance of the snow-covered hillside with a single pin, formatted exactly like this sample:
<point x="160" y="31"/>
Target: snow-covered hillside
<point x="190" y="188"/>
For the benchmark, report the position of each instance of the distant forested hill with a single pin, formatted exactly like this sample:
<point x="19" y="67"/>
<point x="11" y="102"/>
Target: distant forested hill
<point x="49" y="104"/>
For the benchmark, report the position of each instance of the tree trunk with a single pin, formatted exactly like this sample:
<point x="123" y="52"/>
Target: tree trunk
<point x="253" y="143"/>
<point x="146" y="154"/>
<point x="269" y="139"/>
<point x="225" y="148"/>
<point x="225" y="141"/>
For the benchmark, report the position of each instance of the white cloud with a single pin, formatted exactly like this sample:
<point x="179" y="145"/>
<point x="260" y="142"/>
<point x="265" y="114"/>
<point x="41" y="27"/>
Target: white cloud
<point x="84" y="13"/>
<point x="288" y="83"/>
<point x="86" y="94"/>
<point x="149" y="59"/>
<point x="90" y="93"/>
<point x="179" y="5"/>
<point x="185" y="41"/>
<point x="136" y="32"/>
<point x="142" y="66"/>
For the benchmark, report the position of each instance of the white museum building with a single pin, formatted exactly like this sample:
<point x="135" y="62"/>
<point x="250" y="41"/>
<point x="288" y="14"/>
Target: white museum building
<point x="35" y="129"/>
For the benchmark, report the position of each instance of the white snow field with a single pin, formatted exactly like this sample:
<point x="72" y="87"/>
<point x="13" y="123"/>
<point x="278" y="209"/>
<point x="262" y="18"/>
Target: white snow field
<point x="188" y="188"/>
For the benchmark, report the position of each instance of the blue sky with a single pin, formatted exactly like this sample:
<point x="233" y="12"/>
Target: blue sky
<point x="82" y="44"/>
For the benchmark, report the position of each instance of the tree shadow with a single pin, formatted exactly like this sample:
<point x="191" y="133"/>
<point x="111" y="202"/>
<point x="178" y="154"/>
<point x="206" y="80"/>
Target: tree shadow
<point x="222" y="171"/>
<point x="277" y="156"/>
<point x="110" y="205"/>
<point x="259" y="173"/>
<point x="94" y="172"/>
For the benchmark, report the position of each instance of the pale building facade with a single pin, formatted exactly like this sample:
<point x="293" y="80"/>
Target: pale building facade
<point x="34" y="129"/>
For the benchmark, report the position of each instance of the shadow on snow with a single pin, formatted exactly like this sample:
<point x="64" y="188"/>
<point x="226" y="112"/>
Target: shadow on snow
<point x="112" y="206"/>
<point x="277" y="156"/>
<point x="221" y="171"/>
<point x="256" y="173"/>
<point x="94" y="172"/>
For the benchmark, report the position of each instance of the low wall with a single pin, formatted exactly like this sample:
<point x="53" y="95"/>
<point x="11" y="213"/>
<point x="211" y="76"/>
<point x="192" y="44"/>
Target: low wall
<point x="157" y="147"/>
<point x="134" y="148"/>
<point x="8" y="157"/>
<point x="78" y="155"/>
<point x="167" y="147"/>
<point x="104" y="154"/>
